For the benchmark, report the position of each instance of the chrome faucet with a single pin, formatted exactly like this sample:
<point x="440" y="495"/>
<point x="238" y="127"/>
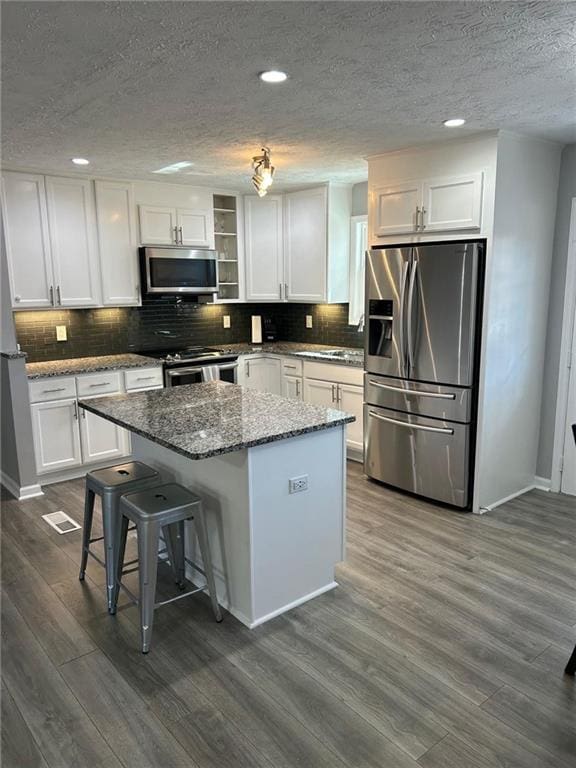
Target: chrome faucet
<point x="361" y="323"/>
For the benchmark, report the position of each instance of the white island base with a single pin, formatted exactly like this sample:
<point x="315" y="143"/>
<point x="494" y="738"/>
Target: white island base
<point x="272" y="549"/>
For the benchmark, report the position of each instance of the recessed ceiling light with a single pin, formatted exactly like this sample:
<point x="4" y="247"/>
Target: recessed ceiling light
<point x="175" y="167"/>
<point x="80" y="161"/>
<point x="273" y="76"/>
<point x="454" y="122"/>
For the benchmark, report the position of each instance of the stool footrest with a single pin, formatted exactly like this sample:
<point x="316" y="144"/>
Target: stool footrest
<point x="193" y="565"/>
<point x="98" y="559"/>
<point x="100" y="538"/>
<point x="179" y="597"/>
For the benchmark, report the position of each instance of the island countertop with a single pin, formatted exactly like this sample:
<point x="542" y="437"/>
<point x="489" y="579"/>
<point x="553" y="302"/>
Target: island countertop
<point x="203" y="420"/>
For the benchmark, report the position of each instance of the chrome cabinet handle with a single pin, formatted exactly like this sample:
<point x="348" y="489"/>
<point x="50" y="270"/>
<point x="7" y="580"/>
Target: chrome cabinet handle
<point x="402" y="390"/>
<point x="247" y="367"/>
<point x="280" y="290"/>
<point x="422" y="212"/>
<point x="101" y="384"/>
<point x="181" y="236"/>
<point x="51" y="295"/>
<point x="297" y="388"/>
<point x="334" y="400"/>
<point x="407" y="425"/>
<point x="175" y="235"/>
<point x="144" y="378"/>
<point x="285" y="290"/>
<point x="289" y="366"/>
<point x="75" y="404"/>
<point x="57" y="389"/>
<point x="417" y="225"/>
<point x="58" y="295"/>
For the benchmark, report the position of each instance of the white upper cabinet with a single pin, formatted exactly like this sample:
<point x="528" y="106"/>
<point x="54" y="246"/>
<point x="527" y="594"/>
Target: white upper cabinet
<point x="309" y="263"/>
<point x="440" y="204"/>
<point x="452" y="202"/>
<point x="27" y="240"/>
<point x="192" y="227"/>
<point x="305" y="244"/>
<point x="115" y="216"/>
<point x="395" y="207"/>
<point x="264" y="248"/>
<point x="73" y="242"/>
<point x="158" y="225"/>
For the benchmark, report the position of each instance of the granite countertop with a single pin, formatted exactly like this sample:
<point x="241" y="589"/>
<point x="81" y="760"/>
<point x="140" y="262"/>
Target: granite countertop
<point x="79" y="365"/>
<point x="203" y="420"/>
<point x="13" y="354"/>
<point x="320" y="352"/>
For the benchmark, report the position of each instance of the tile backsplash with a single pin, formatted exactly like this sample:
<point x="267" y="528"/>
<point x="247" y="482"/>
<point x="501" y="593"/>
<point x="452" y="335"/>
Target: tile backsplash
<point x="164" y="323"/>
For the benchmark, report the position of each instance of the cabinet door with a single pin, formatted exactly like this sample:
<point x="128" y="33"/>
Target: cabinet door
<point x="351" y="400"/>
<point x="157" y="225"/>
<point x="292" y="387"/>
<point x="263" y="374"/>
<point x="264" y="248"/>
<point x="305" y="244"/>
<point x="56" y="435"/>
<point x="73" y="242"/>
<point x="27" y="240"/>
<point x="394" y="208"/>
<point x="321" y="392"/>
<point x="194" y="228"/>
<point x="101" y="439"/>
<point x="115" y="216"/>
<point x="453" y="202"/>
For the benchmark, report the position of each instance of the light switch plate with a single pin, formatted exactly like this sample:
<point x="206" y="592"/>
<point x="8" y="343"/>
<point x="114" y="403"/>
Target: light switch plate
<point x="308" y="321"/>
<point x="226" y="321"/>
<point x="61" y="334"/>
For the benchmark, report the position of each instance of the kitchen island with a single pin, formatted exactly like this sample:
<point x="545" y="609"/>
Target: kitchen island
<point x="271" y="472"/>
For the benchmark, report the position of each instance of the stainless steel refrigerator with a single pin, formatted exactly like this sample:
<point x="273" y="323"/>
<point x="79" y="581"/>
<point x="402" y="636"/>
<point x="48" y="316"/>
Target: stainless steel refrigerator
<point x="421" y="356"/>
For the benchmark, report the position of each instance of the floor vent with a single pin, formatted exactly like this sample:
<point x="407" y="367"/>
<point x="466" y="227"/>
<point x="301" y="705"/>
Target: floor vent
<point x="61" y="522"/>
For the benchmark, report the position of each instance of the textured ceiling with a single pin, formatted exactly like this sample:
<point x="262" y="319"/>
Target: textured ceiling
<point x="135" y="86"/>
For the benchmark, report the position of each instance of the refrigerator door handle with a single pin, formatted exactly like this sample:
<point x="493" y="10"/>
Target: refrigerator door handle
<point x="419" y="393"/>
<point x="401" y="339"/>
<point x="409" y="328"/>
<point x="419" y="427"/>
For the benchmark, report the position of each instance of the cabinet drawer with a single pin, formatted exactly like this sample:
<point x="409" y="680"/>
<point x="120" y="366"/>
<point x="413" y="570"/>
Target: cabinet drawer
<point x="107" y="382"/>
<point x="56" y="388"/>
<point x="143" y="378"/>
<point x="291" y="366"/>
<point x="343" y="374"/>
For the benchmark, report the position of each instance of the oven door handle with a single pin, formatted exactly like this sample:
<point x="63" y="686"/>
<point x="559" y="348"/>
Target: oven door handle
<point x="226" y="366"/>
<point x="174" y="373"/>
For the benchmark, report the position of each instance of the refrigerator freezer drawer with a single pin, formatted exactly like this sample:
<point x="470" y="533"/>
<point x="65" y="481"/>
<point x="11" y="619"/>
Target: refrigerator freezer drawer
<point x="429" y="457"/>
<point x="436" y="400"/>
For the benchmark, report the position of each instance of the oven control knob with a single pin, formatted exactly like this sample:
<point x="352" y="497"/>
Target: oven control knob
<point x="177" y="356"/>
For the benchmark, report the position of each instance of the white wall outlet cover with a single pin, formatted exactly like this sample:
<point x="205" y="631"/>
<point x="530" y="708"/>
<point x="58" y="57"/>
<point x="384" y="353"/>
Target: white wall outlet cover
<point x="61" y="333"/>
<point x="308" y="321"/>
<point x="226" y="321"/>
<point x="298" y="484"/>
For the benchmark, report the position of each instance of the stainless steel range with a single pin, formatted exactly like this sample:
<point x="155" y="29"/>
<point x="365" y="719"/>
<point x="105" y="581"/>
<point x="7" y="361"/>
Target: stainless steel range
<point x="196" y="364"/>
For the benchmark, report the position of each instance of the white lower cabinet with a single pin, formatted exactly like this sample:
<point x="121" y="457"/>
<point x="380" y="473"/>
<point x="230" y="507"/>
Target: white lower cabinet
<point x="56" y="435"/>
<point x="351" y="400"/>
<point x="320" y="392"/>
<point x="101" y="439"/>
<point x="263" y="374"/>
<point x="292" y="386"/>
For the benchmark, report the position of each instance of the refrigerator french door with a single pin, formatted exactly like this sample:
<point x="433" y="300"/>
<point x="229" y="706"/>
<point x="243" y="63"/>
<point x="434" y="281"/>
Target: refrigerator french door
<point x="421" y="309"/>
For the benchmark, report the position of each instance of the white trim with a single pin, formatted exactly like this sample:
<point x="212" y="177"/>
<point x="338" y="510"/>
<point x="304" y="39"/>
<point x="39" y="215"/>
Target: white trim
<point x="20" y="492"/>
<point x="542" y="483"/>
<point x="565" y="352"/>
<point x="514" y="495"/>
<point x="289" y="606"/>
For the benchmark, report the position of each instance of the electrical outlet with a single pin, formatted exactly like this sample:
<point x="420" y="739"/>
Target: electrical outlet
<point x="61" y="334"/>
<point x="298" y="484"/>
<point x="226" y="321"/>
<point x="308" y="321"/>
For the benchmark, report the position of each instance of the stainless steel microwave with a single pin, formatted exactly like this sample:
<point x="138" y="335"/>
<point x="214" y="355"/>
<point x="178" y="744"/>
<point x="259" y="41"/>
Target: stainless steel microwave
<point x="179" y="271"/>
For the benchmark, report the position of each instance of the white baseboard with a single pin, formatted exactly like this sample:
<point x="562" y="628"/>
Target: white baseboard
<point x="294" y="604"/>
<point x="20" y="492"/>
<point x="542" y="483"/>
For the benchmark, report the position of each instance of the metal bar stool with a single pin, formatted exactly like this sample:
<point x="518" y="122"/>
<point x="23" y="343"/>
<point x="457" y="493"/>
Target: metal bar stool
<point x="110" y="483"/>
<point x="167" y="508"/>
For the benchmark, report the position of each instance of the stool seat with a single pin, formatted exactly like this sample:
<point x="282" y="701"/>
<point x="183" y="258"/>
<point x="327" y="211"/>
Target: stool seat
<point x="166" y="502"/>
<point x="110" y="478"/>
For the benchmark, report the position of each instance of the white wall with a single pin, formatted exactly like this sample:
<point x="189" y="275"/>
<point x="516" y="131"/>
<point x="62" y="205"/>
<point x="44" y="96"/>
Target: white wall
<point x="360" y="199"/>
<point x="516" y="309"/>
<point x="566" y="191"/>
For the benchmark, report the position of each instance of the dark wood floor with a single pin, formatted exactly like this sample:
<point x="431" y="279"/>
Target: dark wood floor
<point x="443" y="647"/>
